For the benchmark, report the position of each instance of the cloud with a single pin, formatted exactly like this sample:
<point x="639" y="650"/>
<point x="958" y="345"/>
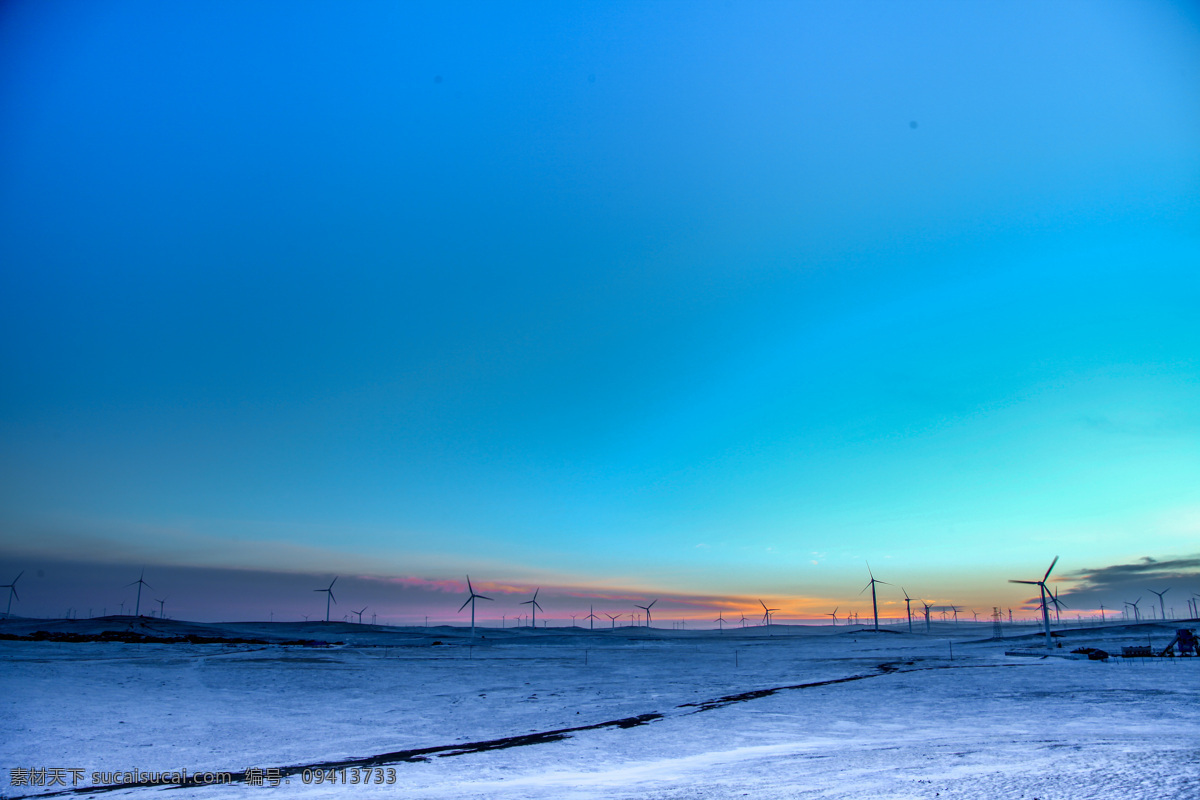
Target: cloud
<point x="1144" y="569"/>
<point x="1115" y="584"/>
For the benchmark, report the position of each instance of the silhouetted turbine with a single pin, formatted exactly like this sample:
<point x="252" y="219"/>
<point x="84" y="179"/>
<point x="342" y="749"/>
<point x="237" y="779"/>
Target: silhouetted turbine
<point x="139" y="583"/>
<point x="647" y="610"/>
<point x="1161" y="607"/>
<point x="1044" y="591"/>
<point x="871" y="585"/>
<point x="12" y="592"/>
<point x="472" y="600"/>
<point x="534" y="606"/>
<point x="329" y="596"/>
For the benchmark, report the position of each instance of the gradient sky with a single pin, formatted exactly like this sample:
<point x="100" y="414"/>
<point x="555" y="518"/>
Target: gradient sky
<point x="704" y="299"/>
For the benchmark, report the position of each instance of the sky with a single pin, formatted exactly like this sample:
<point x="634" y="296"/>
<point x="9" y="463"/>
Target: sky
<point x="706" y="301"/>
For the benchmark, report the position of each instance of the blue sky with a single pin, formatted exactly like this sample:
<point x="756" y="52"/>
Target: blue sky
<point x="706" y="299"/>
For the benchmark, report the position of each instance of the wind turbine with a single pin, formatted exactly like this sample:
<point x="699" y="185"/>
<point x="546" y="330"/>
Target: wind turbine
<point x="833" y="614"/>
<point x="360" y="613"/>
<point x="1102" y="613"/>
<point x="955" y="610"/>
<point x="614" y="619"/>
<point x="743" y="620"/>
<point x="647" y="610"/>
<point x="1160" y="600"/>
<point x="1058" y="606"/>
<point x="767" y="614"/>
<point x="329" y="596"/>
<point x="871" y="585"/>
<point x="534" y="605"/>
<point x="907" y="607"/>
<point x="1044" y="591"/>
<point x="720" y="620"/>
<point x="139" y="583"/>
<point x="12" y="592"/>
<point x="591" y="618"/>
<point x="1137" y="612"/>
<point x="472" y="600"/>
<point x="160" y="607"/>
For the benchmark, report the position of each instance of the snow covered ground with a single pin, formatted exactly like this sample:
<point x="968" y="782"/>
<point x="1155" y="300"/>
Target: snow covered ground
<point x="910" y="724"/>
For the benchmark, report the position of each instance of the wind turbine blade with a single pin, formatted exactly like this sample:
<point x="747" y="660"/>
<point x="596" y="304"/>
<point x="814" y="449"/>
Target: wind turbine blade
<point x="868" y="586"/>
<point x="470" y="588"/>
<point x="1032" y="583"/>
<point x="12" y="588"/>
<point x="331" y="597"/>
<point x="764" y="605"/>
<point x="332" y="582"/>
<point x="481" y="597"/>
<point x="1052" y="563"/>
<point x="652" y="603"/>
<point x="464" y="605"/>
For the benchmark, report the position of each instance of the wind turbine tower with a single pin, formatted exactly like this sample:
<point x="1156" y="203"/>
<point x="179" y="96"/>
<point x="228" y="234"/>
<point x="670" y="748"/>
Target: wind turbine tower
<point x="928" y="607"/>
<point x="647" y="610"/>
<point x="767" y="615"/>
<point x="907" y="607"/>
<point x="534" y="605"/>
<point x="328" y="596"/>
<point x="1161" y="608"/>
<point x="1044" y="591"/>
<point x="1137" y="612"/>
<point x="833" y="614"/>
<point x="12" y="592"/>
<point x="139" y="583"/>
<point x="614" y="618"/>
<point x="161" y="615"/>
<point x="591" y="618"/>
<point x="471" y="600"/>
<point x="360" y="613"/>
<point x="871" y="585"/>
<point x="720" y="620"/>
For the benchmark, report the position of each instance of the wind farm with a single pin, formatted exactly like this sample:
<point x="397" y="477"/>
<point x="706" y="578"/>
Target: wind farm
<point x="675" y="315"/>
<point x="607" y="685"/>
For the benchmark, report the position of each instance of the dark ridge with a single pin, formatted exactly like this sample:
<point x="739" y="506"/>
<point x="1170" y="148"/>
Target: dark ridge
<point x="729" y="699"/>
<point x="129" y="637"/>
